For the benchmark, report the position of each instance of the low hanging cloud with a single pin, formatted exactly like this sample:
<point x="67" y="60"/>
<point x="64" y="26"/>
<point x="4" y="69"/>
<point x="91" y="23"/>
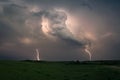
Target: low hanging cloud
<point x="54" y="25"/>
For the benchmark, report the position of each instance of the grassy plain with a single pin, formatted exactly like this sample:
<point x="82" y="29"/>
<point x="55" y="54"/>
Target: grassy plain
<point x="33" y="70"/>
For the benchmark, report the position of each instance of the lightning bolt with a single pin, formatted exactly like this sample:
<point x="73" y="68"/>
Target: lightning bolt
<point x="88" y="52"/>
<point x="37" y="55"/>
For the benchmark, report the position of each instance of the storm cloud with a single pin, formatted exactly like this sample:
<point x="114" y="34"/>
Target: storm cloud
<point x="54" y="24"/>
<point x="60" y="29"/>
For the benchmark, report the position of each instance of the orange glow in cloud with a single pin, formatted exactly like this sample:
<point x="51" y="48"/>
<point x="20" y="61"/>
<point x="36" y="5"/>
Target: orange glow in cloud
<point x="90" y="36"/>
<point x="45" y="27"/>
<point x="25" y="40"/>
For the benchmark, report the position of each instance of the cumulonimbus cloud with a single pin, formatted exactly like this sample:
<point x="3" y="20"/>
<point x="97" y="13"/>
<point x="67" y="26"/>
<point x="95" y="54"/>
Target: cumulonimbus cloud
<point x="54" y="25"/>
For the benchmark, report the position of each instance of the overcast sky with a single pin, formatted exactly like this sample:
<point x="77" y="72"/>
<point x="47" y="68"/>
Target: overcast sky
<point x="60" y="29"/>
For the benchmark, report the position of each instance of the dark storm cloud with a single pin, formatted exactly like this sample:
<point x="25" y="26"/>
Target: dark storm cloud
<point x="5" y="31"/>
<point x="19" y="15"/>
<point x="4" y="0"/>
<point x="21" y="29"/>
<point x="58" y="28"/>
<point x="13" y="9"/>
<point x="109" y="11"/>
<point x="71" y="4"/>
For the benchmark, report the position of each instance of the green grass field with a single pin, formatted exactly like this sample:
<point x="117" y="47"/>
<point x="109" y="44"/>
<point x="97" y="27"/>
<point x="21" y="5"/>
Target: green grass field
<point x="31" y="70"/>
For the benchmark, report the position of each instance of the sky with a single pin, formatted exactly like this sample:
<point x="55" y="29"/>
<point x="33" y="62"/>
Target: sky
<point x="60" y="30"/>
